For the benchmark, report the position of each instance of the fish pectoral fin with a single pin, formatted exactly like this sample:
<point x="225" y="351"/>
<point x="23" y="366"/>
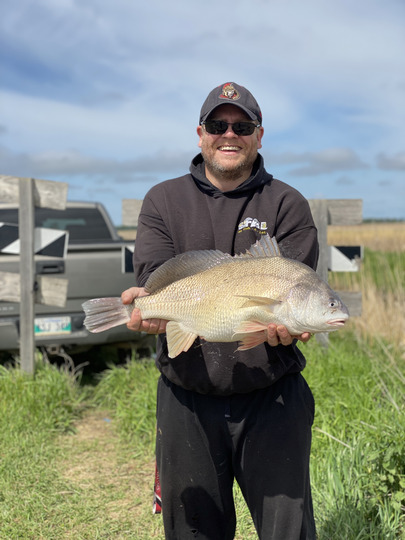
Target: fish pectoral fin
<point x="256" y="334"/>
<point x="250" y="327"/>
<point x="178" y="338"/>
<point x="258" y="300"/>
<point x="252" y="340"/>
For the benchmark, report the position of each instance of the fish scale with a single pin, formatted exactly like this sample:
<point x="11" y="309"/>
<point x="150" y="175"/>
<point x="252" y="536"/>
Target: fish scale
<point x="229" y="299"/>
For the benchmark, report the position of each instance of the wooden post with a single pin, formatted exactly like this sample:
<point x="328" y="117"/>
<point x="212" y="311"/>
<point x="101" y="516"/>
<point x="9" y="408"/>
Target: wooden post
<point x="29" y="193"/>
<point x="27" y="273"/>
<point x="319" y="209"/>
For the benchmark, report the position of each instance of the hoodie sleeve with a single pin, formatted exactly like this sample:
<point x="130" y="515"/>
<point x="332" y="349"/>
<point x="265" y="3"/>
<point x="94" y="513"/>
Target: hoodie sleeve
<point x="153" y="244"/>
<point x="295" y="229"/>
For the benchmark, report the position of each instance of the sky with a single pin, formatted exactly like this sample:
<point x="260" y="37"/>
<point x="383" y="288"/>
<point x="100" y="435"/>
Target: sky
<point x="105" y="95"/>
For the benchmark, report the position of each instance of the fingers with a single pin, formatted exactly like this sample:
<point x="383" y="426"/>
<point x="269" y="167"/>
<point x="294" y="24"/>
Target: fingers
<point x="150" y="326"/>
<point x="279" y="335"/>
<point x="154" y="326"/>
<point x="129" y="295"/>
<point x="305" y="337"/>
<point x="135" y="322"/>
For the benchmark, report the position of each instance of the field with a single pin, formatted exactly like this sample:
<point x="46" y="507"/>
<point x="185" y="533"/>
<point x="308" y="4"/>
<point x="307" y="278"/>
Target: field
<point x="76" y="458"/>
<point x="381" y="280"/>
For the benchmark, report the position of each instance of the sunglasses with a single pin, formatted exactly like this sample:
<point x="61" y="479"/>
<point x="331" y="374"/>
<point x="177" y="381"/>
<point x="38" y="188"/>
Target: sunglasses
<point x="219" y="127"/>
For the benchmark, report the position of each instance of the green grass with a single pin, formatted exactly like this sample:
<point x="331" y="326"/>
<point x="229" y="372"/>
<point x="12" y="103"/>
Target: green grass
<point x="358" y="452"/>
<point x="58" y="483"/>
<point x="131" y="394"/>
<point x="32" y="412"/>
<point x="385" y="271"/>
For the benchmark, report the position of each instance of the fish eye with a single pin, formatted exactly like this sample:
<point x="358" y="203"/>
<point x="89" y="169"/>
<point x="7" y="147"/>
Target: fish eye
<point x="332" y="303"/>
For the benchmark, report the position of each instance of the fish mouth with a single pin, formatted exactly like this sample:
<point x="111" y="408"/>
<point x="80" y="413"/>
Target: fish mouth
<point x="337" y="322"/>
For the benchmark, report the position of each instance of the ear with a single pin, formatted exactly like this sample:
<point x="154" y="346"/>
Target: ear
<point x="260" y="133"/>
<point x="200" y="134"/>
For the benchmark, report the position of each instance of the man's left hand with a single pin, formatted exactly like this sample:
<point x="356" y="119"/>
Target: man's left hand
<point x="279" y="335"/>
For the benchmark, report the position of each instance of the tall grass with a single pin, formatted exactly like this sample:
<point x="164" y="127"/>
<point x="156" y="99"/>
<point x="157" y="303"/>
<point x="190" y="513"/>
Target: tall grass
<point x="32" y="411"/>
<point x="358" y="453"/>
<point x="376" y="236"/>
<point x="131" y="393"/>
<point x="381" y="281"/>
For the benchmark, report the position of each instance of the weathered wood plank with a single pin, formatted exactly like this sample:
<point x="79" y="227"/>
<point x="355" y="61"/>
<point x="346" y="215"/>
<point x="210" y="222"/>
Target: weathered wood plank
<point x="26" y="220"/>
<point x="340" y="211"/>
<point x="319" y="210"/>
<point x="49" y="291"/>
<point x="46" y="193"/>
<point x="353" y="302"/>
<point x="9" y="287"/>
<point x="130" y="212"/>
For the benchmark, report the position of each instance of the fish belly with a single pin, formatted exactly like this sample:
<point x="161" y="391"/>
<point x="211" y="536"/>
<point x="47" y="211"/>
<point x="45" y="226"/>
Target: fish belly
<point x="214" y="317"/>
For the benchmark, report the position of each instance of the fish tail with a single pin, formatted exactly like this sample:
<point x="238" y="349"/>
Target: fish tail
<point x="105" y="313"/>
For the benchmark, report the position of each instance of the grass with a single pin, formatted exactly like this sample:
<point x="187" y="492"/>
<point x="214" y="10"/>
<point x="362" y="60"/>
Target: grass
<point x="76" y="460"/>
<point x="32" y="412"/>
<point x="75" y="472"/>
<point x="383" y="237"/>
<point x="358" y="453"/>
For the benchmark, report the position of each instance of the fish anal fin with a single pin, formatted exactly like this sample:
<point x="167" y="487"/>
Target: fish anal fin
<point x="258" y="300"/>
<point x="252" y="340"/>
<point x="179" y="339"/>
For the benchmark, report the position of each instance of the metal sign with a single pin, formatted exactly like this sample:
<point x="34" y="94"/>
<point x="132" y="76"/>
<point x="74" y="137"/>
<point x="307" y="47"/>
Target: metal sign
<point x="47" y="242"/>
<point x="345" y="258"/>
<point x="127" y="254"/>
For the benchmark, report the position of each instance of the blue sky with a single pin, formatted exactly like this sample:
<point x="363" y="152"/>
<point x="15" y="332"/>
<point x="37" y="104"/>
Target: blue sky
<point x="105" y="95"/>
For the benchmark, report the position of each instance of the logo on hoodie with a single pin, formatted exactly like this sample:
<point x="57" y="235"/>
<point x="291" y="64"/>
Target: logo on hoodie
<point x="254" y="224"/>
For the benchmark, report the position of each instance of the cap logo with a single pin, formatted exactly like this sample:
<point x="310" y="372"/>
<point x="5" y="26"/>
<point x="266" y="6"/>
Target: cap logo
<point x="229" y="92"/>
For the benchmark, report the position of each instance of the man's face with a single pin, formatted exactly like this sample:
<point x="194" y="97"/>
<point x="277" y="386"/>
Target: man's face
<point x="229" y="156"/>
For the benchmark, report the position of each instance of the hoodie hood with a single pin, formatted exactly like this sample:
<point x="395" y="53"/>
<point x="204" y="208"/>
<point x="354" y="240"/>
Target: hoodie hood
<point x="258" y="177"/>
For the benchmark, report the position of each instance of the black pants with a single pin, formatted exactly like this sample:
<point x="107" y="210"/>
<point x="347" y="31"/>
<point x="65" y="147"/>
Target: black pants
<point x="262" y="439"/>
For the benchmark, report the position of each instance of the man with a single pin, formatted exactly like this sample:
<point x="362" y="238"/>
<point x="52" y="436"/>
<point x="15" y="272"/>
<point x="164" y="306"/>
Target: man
<point x="224" y="414"/>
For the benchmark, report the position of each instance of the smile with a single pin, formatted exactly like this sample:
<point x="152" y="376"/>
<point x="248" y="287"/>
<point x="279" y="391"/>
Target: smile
<point x="229" y="148"/>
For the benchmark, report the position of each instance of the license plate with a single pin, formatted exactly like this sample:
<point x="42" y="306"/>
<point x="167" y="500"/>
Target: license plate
<point x="52" y="326"/>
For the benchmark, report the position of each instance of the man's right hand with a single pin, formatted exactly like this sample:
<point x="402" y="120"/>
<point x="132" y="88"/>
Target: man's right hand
<point x="150" y="326"/>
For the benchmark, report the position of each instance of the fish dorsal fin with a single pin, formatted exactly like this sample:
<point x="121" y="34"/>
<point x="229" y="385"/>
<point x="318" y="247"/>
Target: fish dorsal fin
<point x="184" y="265"/>
<point x="191" y="262"/>
<point x="265" y="247"/>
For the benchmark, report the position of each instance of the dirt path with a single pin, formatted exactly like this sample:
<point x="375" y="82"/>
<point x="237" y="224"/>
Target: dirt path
<point x="111" y="484"/>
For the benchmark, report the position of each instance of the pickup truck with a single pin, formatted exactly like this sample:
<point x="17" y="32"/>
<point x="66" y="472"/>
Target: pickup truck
<point x="93" y="268"/>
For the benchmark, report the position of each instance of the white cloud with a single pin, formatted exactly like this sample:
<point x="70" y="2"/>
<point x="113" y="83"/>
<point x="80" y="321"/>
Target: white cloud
<point x="114" y="88"/>
<point x="325" y="161"/>
<point x="394" y="162"/>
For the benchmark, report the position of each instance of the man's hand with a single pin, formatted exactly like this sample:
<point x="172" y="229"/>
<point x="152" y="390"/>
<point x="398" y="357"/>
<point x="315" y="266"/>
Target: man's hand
<point x="277" y="335"/>
<point x="150" y="326"/>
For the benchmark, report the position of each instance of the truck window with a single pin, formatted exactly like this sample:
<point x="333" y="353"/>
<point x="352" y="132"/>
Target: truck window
<point x="84" y="224"/>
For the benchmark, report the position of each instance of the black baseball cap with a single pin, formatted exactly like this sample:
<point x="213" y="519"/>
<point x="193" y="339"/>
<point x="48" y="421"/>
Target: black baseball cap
<point x="231" y="93"/>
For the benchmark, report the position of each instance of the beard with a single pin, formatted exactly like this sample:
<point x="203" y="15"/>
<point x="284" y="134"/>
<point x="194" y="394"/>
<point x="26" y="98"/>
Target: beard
<point x="229" y="171"/>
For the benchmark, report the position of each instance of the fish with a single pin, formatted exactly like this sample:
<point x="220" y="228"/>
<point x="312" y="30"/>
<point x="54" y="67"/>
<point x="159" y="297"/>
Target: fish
<point x="223" y="298"/>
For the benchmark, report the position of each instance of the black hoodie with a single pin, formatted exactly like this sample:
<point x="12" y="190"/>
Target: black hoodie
<point x="189" y="213"/>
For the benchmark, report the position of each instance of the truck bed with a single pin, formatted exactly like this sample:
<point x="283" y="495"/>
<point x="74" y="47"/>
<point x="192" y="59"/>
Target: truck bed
<point x="93" y="268"/>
